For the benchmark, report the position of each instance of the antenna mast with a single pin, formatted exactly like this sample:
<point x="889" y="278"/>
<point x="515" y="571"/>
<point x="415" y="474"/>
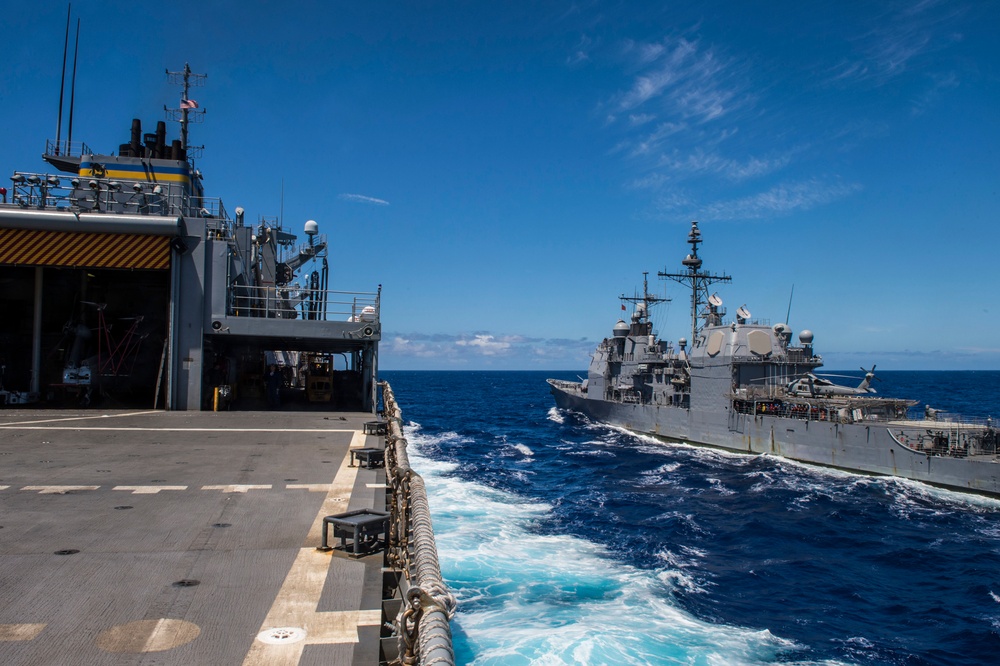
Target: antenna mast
<point x="698" y="281"/>
<point x="62" y="81"/>
<point x="188" y="111"/>
<point x="647" y="298"/>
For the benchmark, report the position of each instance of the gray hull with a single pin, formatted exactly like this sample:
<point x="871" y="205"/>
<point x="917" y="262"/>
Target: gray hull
<point x="856" y="447"/>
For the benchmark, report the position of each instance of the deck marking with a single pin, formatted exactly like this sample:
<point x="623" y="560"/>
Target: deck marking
<point x="296" y="602"/>
<point x="83" y="418"/>
<point x="147" y="636"/>
<point x="237" y="488"/>
<point x="138" y="429"/>
<point x="148" y="490"/>
<point x="58" y="490"/>
<point x="311" y="487"/>
<point x="4" y="487"/>
<point x="20" y="632"/>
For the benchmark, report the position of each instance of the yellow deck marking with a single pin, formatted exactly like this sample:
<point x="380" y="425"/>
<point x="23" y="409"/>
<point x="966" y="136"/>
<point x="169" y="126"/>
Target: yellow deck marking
<point x="296" y="603"/>
<point x="20" y="632"/>
<point x="58" y="490"/>
<point x="148" y="490"/>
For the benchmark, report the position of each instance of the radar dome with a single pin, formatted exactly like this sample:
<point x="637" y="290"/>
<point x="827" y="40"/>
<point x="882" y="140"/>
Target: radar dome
<point x="312" y="228"/>
<point x="806" y="337"/>
<point x="621" y="329"/>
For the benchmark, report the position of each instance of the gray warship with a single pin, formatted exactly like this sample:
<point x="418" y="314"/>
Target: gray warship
<point x="743" y="385"/>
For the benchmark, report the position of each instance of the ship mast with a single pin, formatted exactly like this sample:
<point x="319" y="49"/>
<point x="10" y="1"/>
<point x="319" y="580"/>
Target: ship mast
<point x="699" y="283"/>
<point x="646" y="299"/>
<point x="188" y="111"/>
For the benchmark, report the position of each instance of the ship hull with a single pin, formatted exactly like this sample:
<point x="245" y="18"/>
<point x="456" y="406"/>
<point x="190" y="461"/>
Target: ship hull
<point x="855" y="447"/>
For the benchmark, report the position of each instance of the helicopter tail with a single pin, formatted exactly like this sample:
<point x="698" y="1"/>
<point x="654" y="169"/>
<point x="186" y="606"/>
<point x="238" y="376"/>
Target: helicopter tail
<point x="865" y="385"/>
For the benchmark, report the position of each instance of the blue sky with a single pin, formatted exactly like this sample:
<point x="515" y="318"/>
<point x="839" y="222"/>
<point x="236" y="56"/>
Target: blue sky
<point x="506" y="170"/>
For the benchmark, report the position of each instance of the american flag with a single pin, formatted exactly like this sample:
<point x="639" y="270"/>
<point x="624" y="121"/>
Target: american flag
<point x="189" y="104"/>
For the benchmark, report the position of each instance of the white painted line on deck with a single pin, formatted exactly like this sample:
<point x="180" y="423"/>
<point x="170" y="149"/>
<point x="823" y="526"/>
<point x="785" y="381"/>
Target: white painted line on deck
<point x="4" y="487"/>
<point x="58" y="490"/>
<point x="84" y="418"/>
<point x="148" y="490"/>
<point x="296" y="603"/>
<point x="20" y="632"/>
<point x="138" y="429"/>
<point x="311" y="487"/>
<point x="237" y="488"/>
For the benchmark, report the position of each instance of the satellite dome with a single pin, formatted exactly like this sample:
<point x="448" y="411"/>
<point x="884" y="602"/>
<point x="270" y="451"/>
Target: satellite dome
<point x="806" y="337"/>
<point x="312" y="228"/>
<point x="621" y="329"/>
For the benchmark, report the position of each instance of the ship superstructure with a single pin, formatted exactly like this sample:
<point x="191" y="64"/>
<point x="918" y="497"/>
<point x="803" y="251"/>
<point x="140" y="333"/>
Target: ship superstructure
<point x="744" y="385"/>
<point x="125" y="280"/>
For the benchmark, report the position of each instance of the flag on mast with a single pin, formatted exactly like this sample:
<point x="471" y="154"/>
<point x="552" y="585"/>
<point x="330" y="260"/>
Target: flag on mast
<point x="189" y="104"/>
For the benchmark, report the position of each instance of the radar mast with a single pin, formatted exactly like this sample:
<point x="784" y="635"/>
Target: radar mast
<point x="646" y="299"/>
<point x="699" y="283"/>
<point x="188" y="111"/>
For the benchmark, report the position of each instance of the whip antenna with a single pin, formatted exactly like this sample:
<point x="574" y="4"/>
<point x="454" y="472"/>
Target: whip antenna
<point x="789" y="313"/>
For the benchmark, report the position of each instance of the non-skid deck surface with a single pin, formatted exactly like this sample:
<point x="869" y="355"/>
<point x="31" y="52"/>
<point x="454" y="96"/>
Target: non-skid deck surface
<point x="183" y="538"/>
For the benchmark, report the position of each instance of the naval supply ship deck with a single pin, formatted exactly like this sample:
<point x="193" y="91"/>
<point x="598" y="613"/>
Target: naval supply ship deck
<point x="141" y="537"/>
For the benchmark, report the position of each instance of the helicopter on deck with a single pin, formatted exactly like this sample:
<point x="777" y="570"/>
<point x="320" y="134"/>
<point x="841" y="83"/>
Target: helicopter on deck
<point x="812" y="386"/>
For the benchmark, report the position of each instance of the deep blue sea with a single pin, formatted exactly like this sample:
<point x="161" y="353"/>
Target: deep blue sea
<point x="571" y="542"/>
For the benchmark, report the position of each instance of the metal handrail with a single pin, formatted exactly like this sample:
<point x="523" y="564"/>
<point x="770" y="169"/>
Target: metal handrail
<point x="293" y="302"/>
<point x="112" y="195"/>
<point x="422" y="626"/>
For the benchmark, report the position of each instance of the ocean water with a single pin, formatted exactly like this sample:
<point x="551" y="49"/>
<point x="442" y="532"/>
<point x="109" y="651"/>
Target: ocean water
<point x="572" y="542"/>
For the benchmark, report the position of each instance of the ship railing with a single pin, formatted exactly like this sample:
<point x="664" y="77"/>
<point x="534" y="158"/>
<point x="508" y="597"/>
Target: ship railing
<point x="421" y="628"/>
<point x="293" y="302"/>
<point x="66" y="148"/>
<point x="958" y="438"/>
<point x="108" y="195"/>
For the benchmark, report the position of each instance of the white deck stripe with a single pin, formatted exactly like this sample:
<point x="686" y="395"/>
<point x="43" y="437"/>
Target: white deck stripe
<point x="136" y="429"/>
<point x="296" y="603"/>
<point x="58" y="490"/>
<point x="84" y="418"/>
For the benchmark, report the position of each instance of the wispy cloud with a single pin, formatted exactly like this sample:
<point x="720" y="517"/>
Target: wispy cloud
<point x="675" y="167"/>
<point x="779" y="200"/>
<point x="686" y="81"/>
<point x="930" y="96"/>
<point x="360" y="198"/>
<point x="897" y="39"/>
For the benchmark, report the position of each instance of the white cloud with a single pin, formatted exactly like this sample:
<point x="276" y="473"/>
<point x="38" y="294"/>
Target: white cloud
<point x="482" y="349"/>
<point x="360" y="198"/>
<point x="779" y="200"/>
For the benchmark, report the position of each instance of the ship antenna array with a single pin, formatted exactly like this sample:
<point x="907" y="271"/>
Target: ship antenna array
<point x="188" y="111"/>
<point x="647" y="298"/>
<point x="698" y="281"/>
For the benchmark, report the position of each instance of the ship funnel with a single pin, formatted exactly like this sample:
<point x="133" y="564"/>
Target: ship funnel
<point x="135" y="141"/>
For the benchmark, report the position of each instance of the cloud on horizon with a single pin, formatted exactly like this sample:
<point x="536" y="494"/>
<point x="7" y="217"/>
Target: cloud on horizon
<point x="468" y="350"/>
